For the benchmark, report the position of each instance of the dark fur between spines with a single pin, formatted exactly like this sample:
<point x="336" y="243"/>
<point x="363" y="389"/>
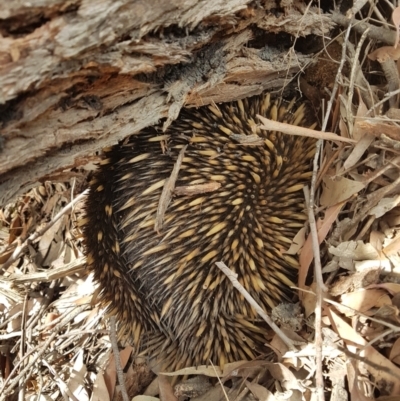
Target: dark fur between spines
<point x="165" y="289"/>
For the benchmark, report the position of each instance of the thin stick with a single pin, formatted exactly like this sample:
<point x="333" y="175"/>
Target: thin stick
<point x="314" y="234"/>
<point x="219" y="380"/>
<point x="22" y="384"/>
<point x="233" y="277"/>
<point x="271" y="125"/>
<point x="385" y="99"/>
<point x="45" y="348"/>
<point x="352" y="80"/>
<point x="117" y="359"/>
<point x="168" y="189"/>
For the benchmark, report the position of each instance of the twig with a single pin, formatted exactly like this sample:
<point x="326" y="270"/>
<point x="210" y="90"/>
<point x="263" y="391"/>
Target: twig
<point x="233" y="277"/>
<point x="271" y="125"/>
<point x="372" y="200"/>
<point x="219" y="380"/>
<point x="320" y="285"/>
<point x="117" y="359"/>
<point x="65" y="391"/>
<point x="68" y="269"/>
<point x="377" y="33"/>
<point x="21" y="394"/>
<point x="338" y="306"/>
<point x="362" y="359"/>
<point x="314" y="234"/>
<point x="385" y="99"/>
<point x="45" y="348"/>
<point x="168" y="189"/>
<point x="352" y="80"/>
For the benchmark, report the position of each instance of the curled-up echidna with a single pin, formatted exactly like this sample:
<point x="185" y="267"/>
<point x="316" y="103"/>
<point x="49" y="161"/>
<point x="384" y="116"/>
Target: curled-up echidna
<point x="232" y="201"/>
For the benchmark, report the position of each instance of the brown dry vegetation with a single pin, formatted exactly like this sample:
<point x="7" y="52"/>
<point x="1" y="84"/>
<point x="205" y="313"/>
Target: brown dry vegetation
<point x="80" y="75"/>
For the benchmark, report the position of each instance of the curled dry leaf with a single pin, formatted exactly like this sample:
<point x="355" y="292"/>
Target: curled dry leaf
<point x="385" y="53"/>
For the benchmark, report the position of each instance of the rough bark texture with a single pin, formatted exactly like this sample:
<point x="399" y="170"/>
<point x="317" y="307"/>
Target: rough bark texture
<point x="76" y="76"/>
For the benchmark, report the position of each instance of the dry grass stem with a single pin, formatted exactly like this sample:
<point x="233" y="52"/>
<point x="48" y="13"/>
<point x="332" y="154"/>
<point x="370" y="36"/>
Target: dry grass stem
<point x="271" y="125"/>
<point x="167" y="191"/>
<point x="233" y="278"/>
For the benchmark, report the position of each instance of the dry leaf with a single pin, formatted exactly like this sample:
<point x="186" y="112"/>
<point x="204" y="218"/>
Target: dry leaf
<point x="362" y="111"/>
<point x="385" y="53"/>
<point x="396" y="22"/>
<point x="338" y="190"/>
<point x="376" y="239"/>
<point x="152" y="388"/>
<point x="358" y="280"/>
<point x="285" y="376"/>
<point x="260" y="392"/>
<point x="297" y="243"/>
<point x="306" y="256"/>
<point x="384" y="206"/>
<point x="145" y="398"/>
<point x="364" y="300"/>
<point x="391" y="288"/>
<point x="76" y="382"/>
<point x="377" y="129"/>
<point x="388" y="372"/>
<point x="393" y="247"/>
<point x="125" y="355"/>
<point x="110" y="375"/>
<point x="309" y="300"/>
<point x="355" y="250"/>
<point x="352" y="376"/>
<point x="166" y="391"/>
<point x="394" y="355"/>
<point x="47" y="238"/>
<point x="382" y="264"/>
<point x="100" y="390"/>
<point x="278" y="346"/>
<point x="364" y="139"/>
<point x="15" y="229"/>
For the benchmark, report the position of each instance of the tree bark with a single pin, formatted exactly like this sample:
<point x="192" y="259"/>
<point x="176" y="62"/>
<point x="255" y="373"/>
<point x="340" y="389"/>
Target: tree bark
<point x="77" y="76"/>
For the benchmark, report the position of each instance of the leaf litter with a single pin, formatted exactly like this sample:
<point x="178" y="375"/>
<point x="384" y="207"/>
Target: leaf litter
<point x="55" y="340"/>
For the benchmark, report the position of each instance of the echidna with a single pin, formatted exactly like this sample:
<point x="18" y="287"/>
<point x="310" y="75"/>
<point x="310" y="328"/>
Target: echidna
<point x="232" y="201"/>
